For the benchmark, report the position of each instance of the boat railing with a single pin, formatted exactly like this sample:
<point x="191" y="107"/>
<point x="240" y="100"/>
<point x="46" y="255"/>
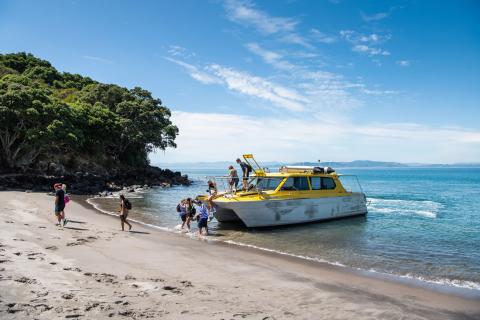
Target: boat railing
<point x="351" y="183"/>
<point x="224" y="184"/>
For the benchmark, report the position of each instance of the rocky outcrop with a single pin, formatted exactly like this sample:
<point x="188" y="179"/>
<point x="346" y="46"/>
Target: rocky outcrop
<point x="88" y="183"/>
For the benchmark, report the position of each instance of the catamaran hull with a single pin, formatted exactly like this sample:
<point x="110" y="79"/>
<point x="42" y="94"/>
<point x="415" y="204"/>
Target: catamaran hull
<point x="271" y="212"/>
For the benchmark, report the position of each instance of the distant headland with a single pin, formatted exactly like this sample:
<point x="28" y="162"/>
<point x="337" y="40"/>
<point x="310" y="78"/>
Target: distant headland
<point x="335" y="164"/>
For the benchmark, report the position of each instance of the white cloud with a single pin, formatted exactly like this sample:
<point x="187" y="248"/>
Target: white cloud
<point x="366" y="43"/>
<point x="273" y="58"/>
<point x="97" y="59"/>
<point x="295" y="38"/>
<point x="195" y="72"/>
<point x="378" y="92"/>
<point x="247" y="84"/>
<point x="403" y="63"/>
<point x="374" y="17"/>
<point x="244" y="12"/>
<point x="291" y="139"/>
<point x="371" y="51"/>
<point x="322" y="37"/>
<point x="178" y="51"/>
<point x="303" y="89"/>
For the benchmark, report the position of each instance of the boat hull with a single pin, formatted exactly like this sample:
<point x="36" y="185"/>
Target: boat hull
<point x="277" y="212"/>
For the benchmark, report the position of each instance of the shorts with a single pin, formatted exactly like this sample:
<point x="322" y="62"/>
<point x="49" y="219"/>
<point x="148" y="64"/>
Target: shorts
<point x="202" y="223"/>
<point x="183" y="217"/>
<point x="124" y="216"/>
<point x="59" y="208"/>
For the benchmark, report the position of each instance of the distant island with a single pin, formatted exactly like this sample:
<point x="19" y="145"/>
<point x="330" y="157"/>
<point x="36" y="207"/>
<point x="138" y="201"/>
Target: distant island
<point x="59" y="126"/>
<point x="334" y="164"/>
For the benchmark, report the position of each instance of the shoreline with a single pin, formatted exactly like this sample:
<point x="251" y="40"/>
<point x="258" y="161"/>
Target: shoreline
<point x="156" y="274"/>
<point x="437" y="286"/>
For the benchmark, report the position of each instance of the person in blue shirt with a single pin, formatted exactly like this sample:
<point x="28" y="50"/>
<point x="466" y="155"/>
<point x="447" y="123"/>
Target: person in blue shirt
<point x="202" y="217"/>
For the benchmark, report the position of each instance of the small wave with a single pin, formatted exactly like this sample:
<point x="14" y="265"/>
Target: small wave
<point x="471" y="285"/>
<point x="424" y="208"/>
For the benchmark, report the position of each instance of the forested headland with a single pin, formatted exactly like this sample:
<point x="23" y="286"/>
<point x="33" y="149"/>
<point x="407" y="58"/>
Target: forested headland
<point x="59" y="124"/>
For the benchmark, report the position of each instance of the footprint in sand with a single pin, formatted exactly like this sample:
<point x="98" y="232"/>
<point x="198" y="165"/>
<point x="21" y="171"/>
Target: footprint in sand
<point x="51" y="248"/>
<point x="67" y="296"/>
<point x="26" y="280"/>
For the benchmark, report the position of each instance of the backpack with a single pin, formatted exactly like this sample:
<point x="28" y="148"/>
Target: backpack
<point x="178" y="208"/>
<point x="127" y="204"/>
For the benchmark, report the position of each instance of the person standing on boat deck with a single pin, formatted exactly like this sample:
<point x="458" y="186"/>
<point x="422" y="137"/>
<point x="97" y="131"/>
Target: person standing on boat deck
<point x="233" y="178"/>
<point x="202" y="217"/>
<point x="212" y="190"/>
<point x="59" y="203"/>
<point x="246" y="169"/>
<point x="125" y="205"/>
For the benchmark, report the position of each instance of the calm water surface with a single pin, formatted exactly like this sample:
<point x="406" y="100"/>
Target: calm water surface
<point x="422" y="223"/>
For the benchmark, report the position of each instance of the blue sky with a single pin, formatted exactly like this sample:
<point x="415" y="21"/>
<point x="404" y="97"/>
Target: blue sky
<point x="287" y="80"/>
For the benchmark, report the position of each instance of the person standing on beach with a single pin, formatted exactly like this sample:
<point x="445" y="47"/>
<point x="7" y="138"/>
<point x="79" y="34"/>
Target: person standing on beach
<point x="125" y="206"/>
<point x="66" y="199"/>
<point x="59" y="204"/>
<point x="246" y="169"/>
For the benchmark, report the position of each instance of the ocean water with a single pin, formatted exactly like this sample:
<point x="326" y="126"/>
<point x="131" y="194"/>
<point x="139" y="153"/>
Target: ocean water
<point x="423" y="223"/>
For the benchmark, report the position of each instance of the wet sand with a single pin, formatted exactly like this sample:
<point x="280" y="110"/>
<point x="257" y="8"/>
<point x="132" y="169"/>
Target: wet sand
<point x="92" y="270"/>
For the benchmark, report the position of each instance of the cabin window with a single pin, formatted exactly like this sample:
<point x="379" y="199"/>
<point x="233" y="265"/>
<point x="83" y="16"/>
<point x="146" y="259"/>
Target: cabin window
<point x="296" y="184"/>
<point x="319" y="183"/>
<point x="316" y="183"/>
<point x="328" y="183"/>
<point x="268" y="183"/>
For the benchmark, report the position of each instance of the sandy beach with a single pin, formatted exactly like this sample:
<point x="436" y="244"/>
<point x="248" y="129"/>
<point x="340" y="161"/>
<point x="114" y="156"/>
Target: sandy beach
<point x="90" y="269"/>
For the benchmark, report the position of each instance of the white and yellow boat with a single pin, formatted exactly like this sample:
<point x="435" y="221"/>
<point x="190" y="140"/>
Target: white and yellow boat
<point x="292" y="195"/>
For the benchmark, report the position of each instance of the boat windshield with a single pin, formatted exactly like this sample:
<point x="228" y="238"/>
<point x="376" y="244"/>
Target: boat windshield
<point x="270" y="183"/>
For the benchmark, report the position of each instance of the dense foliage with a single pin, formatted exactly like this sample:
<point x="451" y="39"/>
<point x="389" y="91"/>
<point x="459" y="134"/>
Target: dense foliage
<point x="47" y="115"/>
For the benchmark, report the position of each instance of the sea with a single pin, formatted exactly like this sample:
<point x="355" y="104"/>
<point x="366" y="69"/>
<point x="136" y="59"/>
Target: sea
<point x="422" y="224"/>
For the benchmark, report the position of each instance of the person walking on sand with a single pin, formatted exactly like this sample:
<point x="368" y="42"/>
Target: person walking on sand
<point x="202" y="217"/>
<point x="59" y="204"/>
<point x="246" y="169"/>
<point x="125" y="206"/>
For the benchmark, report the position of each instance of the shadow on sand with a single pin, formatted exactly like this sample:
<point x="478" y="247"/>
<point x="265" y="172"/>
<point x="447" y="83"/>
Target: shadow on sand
<point x="140" y="232"/>
<point x="78" y="229"/>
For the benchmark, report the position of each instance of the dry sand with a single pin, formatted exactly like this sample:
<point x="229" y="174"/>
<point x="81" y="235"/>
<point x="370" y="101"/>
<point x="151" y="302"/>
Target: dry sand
<point x="92" y="270"/>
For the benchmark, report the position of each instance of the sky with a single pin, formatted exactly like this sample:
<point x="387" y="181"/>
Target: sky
<point x="286" y="80"/>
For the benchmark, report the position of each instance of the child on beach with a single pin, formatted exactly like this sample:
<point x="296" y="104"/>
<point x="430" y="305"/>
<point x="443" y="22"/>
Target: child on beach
<point x="202" y="217"/>
<point x="125" y="205"/>
<point x="60" y="204"/>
